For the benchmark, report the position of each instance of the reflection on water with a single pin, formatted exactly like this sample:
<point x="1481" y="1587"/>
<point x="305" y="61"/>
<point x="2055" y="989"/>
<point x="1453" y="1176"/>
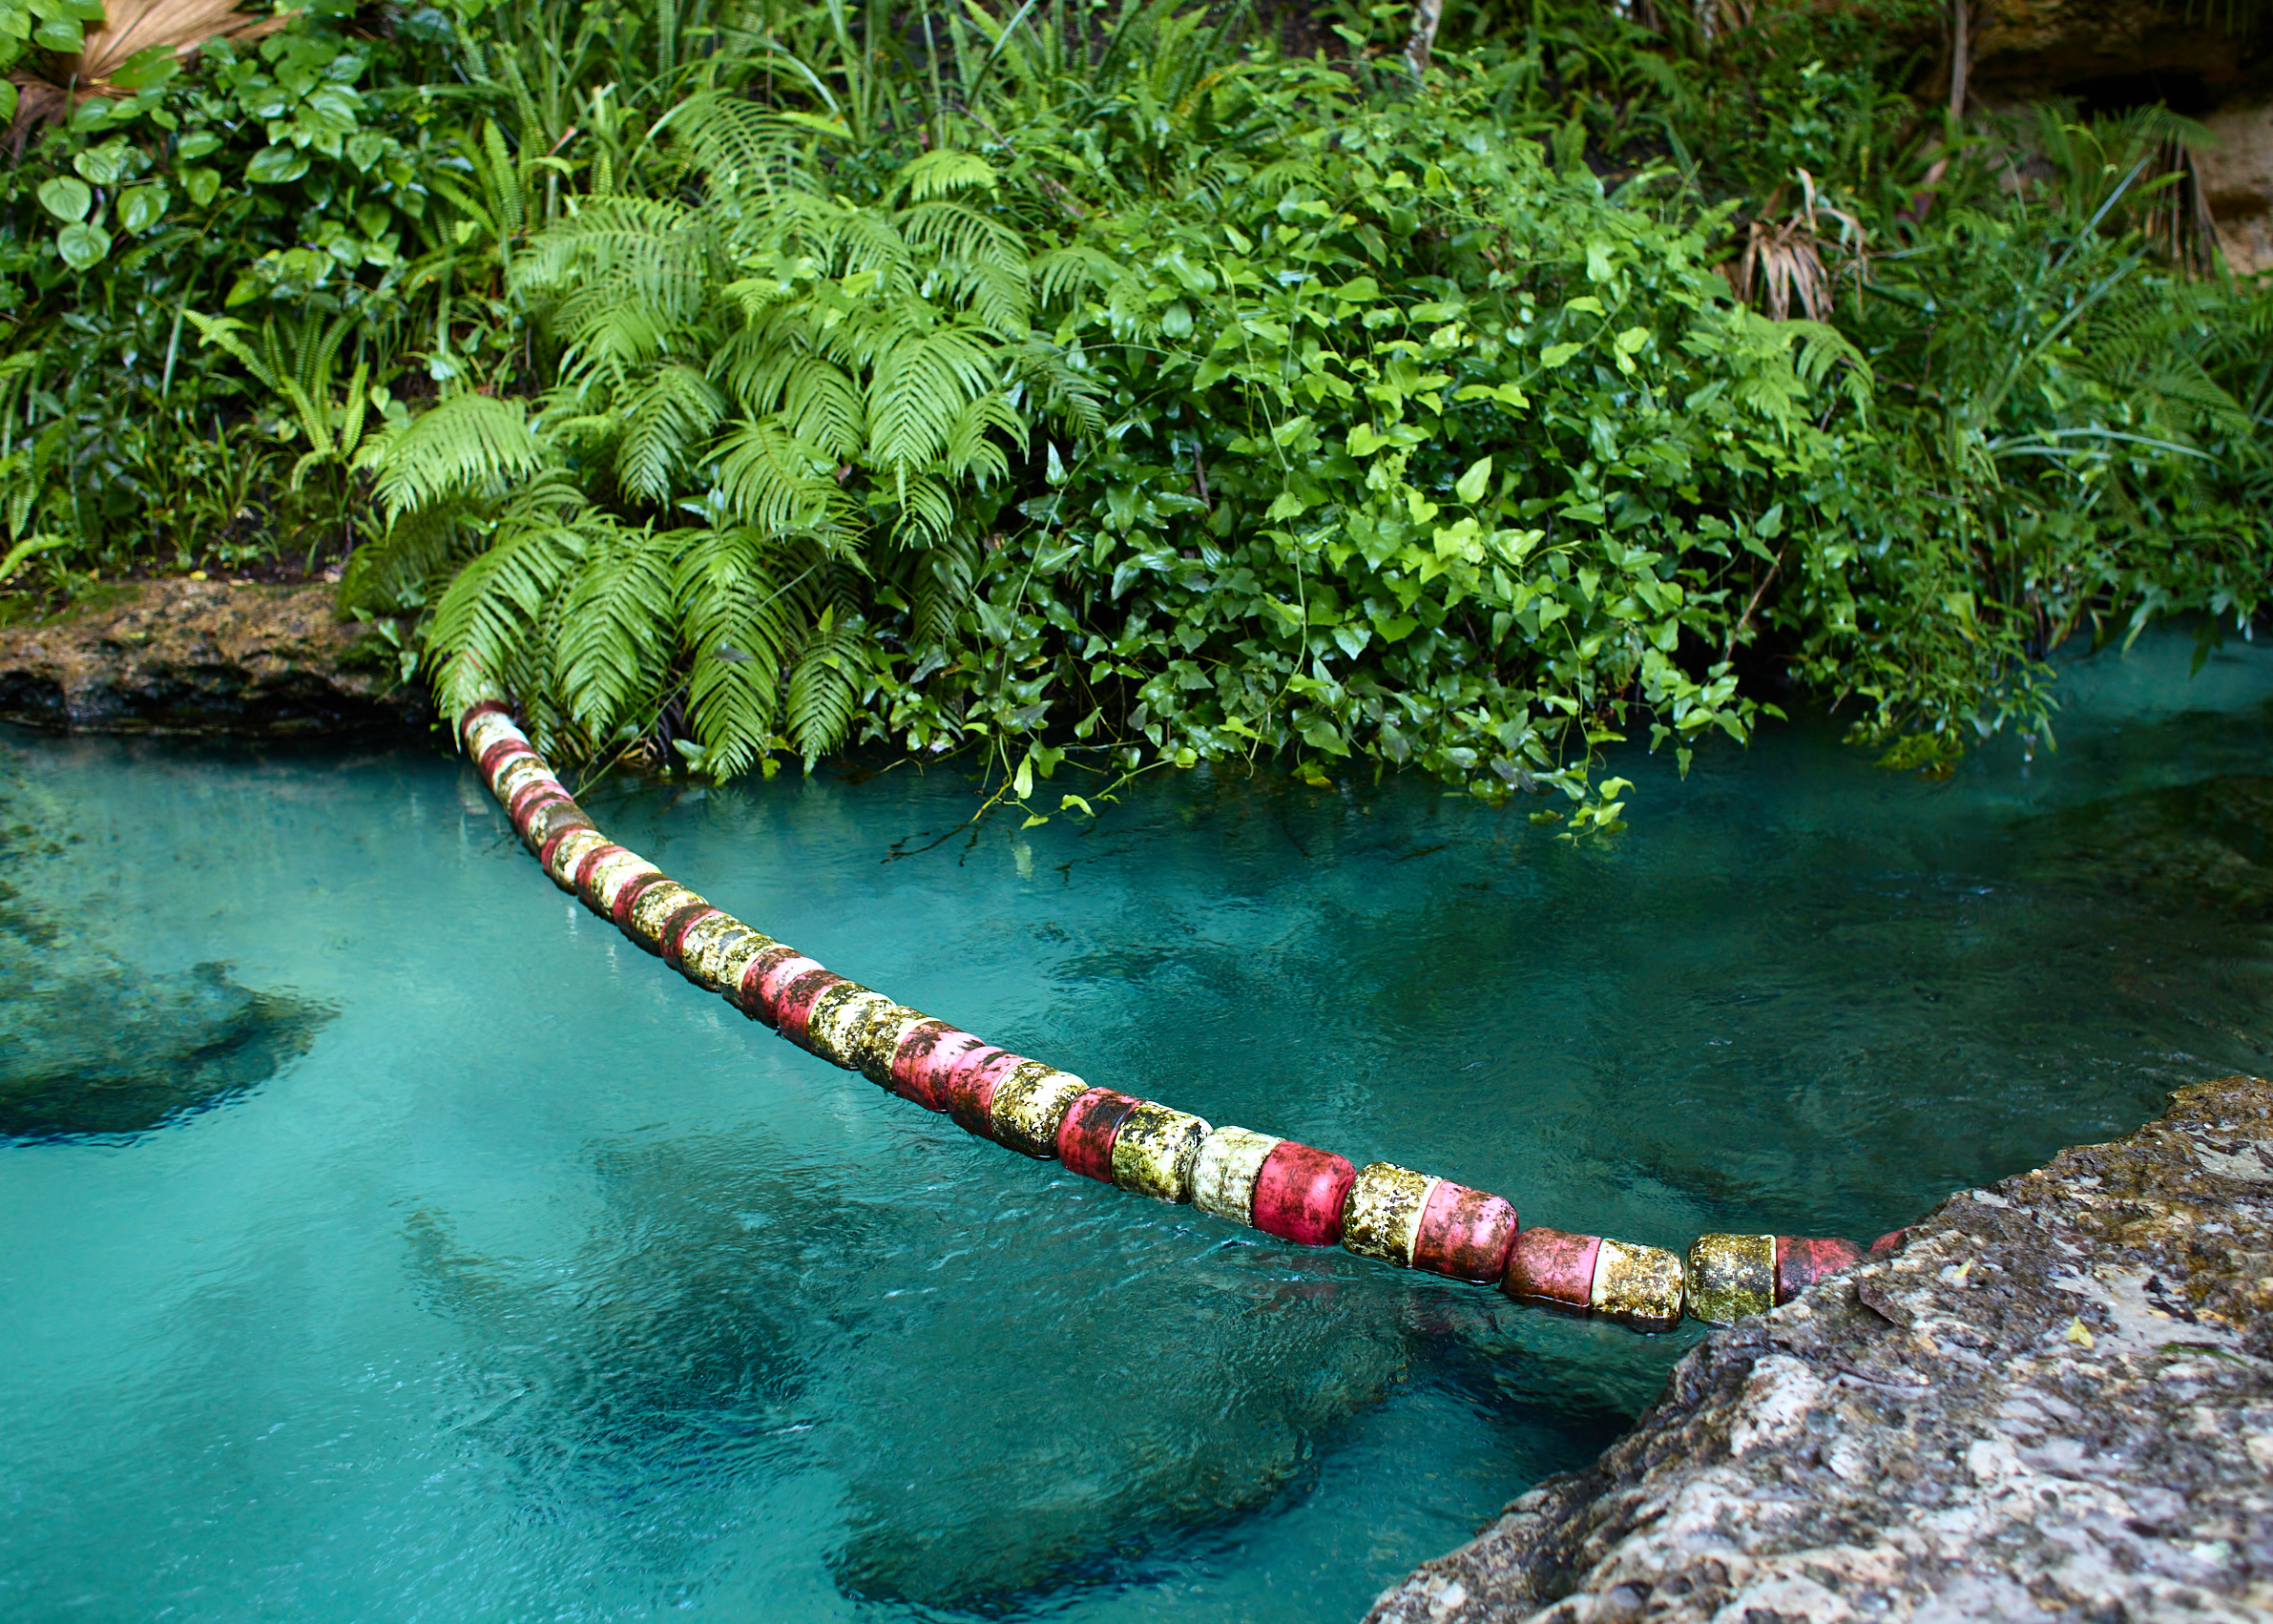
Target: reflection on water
<point x="531" y="1282"/>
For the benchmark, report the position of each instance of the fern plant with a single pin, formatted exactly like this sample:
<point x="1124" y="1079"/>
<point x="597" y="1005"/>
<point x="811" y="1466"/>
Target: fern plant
<point x="764" y="397"/>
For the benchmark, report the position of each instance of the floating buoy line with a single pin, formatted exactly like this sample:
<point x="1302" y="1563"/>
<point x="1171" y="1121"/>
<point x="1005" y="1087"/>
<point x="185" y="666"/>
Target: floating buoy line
<point x="1295" y="1191"/>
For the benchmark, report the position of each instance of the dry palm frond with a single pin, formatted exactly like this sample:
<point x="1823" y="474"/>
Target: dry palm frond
<point x="1784" y="261"/>
<point x="2178" y="219"/>
<point x="50" y="88"/>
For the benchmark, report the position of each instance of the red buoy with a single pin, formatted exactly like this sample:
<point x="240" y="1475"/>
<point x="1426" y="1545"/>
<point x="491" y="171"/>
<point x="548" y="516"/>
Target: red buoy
<point x="921" y="1064"/>
<point x="1300" y="1192"/>
<point x="970" y="1087"/>
<point x="1551" y="1266"/>
<point x="1800" y="1260"/>
<point x="1465" y="1232"/>
<point x="1084" y="1137"/>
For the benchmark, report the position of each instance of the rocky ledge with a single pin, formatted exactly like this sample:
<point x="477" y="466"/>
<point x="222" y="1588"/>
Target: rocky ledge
<point x="2055" y="1401"/>
<point x="203" y="657"/>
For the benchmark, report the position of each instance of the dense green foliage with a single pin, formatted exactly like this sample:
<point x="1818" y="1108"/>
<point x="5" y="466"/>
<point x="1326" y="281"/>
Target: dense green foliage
<point x="1072" y="383"/>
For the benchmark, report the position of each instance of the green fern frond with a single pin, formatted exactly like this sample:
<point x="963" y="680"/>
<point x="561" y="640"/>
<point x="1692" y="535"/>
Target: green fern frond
<point x="668" y="420"/>
<point x="615" y="625"/>
<point x="464" y="445"/>
<point x="822" y="407"/>
<point x="1072" y="398"/>
<point x="981" y="260"/>
<point x="739" y="614"/>
<point x="773" y="481"/>
<point x="922" y="385"/>
<point x="827" y="684"/>
<point x="926" y="506"/>
<point x="941" y="172"/>
<point x="1062" y="274"/>
<point x="491" y="612"/>
<point x="395" y="568"/>
<point x="743" y="148"/>
<point x="942" y="590"/>
<point x="972" y="451"/>
<point x="769" y="365"/>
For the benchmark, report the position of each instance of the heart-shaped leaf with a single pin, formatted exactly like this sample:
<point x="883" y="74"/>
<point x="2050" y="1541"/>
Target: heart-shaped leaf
<point x="62" y="36"/>
<point x="82" y="246"/>
<point x="141" y="207"/>
<point x="105" y="166"/>
<point x="273" y="166"/>
<point x="67" y="198"/>
<point x="201" y="184"/>
<point x="197" y="144"/>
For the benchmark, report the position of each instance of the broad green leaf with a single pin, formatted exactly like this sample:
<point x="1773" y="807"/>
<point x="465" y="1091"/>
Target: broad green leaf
<point x="273" y="166"/>
<point x="62" y="36"/>
<point x="105" y="166"/>
<point x="67" y="198"/>
<point x="151" y="66"/>
<point x="1471" y="484"/>
<point x="8" y="100"/>
<point x="197" y="144"/>
<point x="141" y="207"/>
<point x="82" y="246"/>
<point x="1556" y="354"/>
<point x="365" y="150"/>
<point x="201" y="184"/>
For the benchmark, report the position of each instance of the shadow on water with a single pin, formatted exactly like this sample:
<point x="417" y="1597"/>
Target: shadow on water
<point x="89" y="1045"/>
<point x="722" y="1324"/>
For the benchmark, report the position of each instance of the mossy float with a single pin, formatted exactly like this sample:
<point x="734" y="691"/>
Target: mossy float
<point x="1295" y="1191"/>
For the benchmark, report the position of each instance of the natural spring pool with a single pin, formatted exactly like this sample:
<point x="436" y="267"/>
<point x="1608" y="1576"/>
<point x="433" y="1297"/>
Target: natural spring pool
<point x="504" y="1276"/>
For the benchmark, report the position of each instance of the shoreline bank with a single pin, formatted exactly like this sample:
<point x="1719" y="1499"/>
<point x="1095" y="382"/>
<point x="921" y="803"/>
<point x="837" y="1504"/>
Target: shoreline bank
<point x="2055" y="1401"/>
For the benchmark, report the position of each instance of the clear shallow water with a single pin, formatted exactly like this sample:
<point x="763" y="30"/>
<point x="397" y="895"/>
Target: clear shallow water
<point x="534" y="1284"/>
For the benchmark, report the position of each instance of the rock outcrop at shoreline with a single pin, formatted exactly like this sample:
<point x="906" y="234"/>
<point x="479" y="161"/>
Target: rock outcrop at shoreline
<point x="2055" y="1401"/>
<point x="204" y="657"/>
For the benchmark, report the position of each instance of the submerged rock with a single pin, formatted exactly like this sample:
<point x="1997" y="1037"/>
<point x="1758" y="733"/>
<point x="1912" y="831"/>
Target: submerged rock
<point x="732" y="1323"/>
<point x="89" y="1042"/>
<point x="103" y="1051"/>
<point x="204" y="657"/>
<point x="2206" y="842"/>
<point x="2055" y="1401"/>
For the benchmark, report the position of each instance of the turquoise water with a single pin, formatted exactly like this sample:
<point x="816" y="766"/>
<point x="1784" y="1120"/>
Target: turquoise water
<point x="507" y="1277"/>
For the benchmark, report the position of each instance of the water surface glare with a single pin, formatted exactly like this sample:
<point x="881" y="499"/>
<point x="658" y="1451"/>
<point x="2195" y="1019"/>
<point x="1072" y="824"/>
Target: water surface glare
<point x="504" y="1276"/>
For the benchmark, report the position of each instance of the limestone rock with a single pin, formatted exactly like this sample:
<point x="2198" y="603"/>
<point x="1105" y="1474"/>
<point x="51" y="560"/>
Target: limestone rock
<point x="2025" y="48"/>
<point x="2237" y="182"/>
<point x="2055" y="1401"/>
<point x="203" y="656"/>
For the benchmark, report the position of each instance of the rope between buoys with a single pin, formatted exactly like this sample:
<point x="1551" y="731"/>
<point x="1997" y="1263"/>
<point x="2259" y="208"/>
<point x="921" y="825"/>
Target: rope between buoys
<point x="1294" y="1191"/>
